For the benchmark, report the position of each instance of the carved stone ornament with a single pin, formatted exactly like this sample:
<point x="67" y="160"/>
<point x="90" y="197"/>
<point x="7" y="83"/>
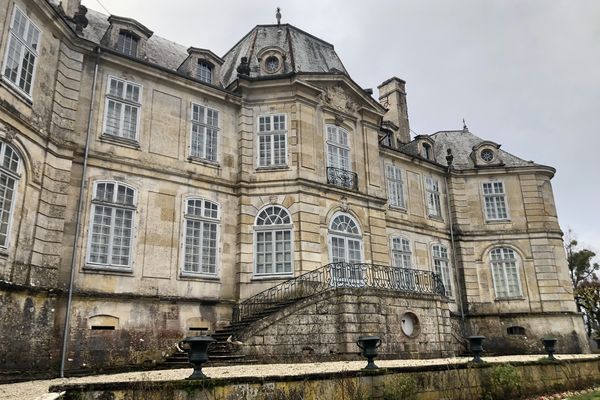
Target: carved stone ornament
<point x="336" y="97"/>
<point x="344" y="204"/>
<point x="339" y="120"/>
<point x="273" y="199"/>
<point x="10" y="132"/>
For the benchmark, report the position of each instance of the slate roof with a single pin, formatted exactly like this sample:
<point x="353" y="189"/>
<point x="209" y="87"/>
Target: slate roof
<point x="302" y="51"/>
<point x="462" y="142"/>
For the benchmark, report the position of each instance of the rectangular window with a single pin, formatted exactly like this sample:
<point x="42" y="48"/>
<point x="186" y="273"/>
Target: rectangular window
<point x="111" y="232"/>
<point x="274" y="252"/>
<point x="205" y="128"/>
<point x="432" y="189"/>
<point x="401" y="253"/>
<point x="201" y="228"/>
<point x="122" y="110"/>
<point x="494" y="201"/>
<point x="395" y="186"/>
<point x="272" y="140"/>
<point x="441" y="265"/>
<point x="127" y="43"/>
<point x="338" y="148"/>
<point x="21" y="52"/>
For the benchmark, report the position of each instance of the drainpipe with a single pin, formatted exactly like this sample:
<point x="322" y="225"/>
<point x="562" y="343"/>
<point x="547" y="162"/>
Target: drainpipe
<point x="449" y="159"/>
<point x="74" y="254"/>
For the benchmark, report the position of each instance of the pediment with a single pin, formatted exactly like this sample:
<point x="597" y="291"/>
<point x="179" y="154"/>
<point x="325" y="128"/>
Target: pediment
<point x="346" y="97"/>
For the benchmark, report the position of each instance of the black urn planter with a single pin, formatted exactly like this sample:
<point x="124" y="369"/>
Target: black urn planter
<point x="550" y="347"/>
<point x="476" y="346"/>
<point x="597" y="341"/>
<point x="369" y="345"/>
<point x="197" y="351"/>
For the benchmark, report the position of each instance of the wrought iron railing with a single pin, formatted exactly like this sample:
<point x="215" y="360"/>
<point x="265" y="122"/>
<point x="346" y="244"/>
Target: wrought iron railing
<point x="343" y="178"/>
<point x="341" y="275"/>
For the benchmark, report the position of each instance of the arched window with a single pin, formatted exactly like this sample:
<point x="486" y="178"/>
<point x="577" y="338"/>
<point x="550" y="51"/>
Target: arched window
<point x="505" y="273"/>
<point x="204" y="71"/>
<point x="111" y="226"/>
<point x="401" y="253"/>
<point x="345" y="239"/>
<point x="127" y="43"/>
<point x="201" y="233"/>
<point x="273" y="242"/>
<point x="9" y="177"/>
<point x="441" y="264"/>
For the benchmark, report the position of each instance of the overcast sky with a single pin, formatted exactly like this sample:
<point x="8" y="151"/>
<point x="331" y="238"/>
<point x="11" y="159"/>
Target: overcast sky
<point x="525" y="74"/>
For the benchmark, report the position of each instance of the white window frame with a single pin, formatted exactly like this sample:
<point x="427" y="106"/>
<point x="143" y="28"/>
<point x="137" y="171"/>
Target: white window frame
<point x="342" y="276"/>
<point x="432" y="197"/>
<point x="339" y="146"/>
<point x="395" y="186"/>
<point x="442" y="267"/>
<point x="403" y="253"/>
<point x="504" y="263"/>
<point x="15" y="175"/>
<point x="496" y="198"/>
<point x="114" y="205"/>
<point x="273" y="228"/>
<point x="271" y="132"/>
<point x="201" y="67"/>
<point x="124" y="102"/>
<point x="12" y="36"/>
<point x="203" y="218"/>
<point x="204" y="124"/>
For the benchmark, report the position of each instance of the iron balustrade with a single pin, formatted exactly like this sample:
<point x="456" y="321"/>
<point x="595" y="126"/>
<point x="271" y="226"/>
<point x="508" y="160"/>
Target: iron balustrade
<point x="343" y="178"/>
<point x="340" y="275"/>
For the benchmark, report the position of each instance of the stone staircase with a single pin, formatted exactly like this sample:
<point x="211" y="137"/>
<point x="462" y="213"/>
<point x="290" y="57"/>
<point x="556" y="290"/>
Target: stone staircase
<point x="226" y="349"/>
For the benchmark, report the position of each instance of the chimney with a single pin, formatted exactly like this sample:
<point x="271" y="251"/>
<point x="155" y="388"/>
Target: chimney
<point x="70" y="7"/>
<point x="393" y="97"/>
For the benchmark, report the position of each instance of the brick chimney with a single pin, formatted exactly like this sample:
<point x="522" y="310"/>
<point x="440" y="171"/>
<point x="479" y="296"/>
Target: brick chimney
<point x="392" y="96"/>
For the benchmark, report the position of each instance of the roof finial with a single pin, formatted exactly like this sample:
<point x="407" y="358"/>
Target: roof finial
<point x="465" y="128"/>
<point x="278" y="16"/>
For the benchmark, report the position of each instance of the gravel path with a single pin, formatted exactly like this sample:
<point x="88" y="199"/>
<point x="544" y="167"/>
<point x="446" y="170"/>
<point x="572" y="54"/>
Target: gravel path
<point x="37" y="390"/>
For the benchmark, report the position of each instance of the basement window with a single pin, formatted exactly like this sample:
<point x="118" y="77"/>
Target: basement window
<point x="102" y="328"/>
<point x="515" y="330"/>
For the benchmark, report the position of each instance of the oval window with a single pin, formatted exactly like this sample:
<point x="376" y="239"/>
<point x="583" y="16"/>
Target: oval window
<point x="410" y="324"/>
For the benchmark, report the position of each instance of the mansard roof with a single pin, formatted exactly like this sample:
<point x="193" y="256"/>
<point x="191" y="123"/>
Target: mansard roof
<point x="462" y="144"/>
<point x="302" y="52"/>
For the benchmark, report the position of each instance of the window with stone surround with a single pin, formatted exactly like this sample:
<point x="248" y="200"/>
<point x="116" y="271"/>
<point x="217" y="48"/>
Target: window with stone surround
<point x="21" y="52"/>
<point x="122" y="109"/>
<point x="505" y="273"/>
<point x="201" y="237"/>
<point x="345" y="249"/>
<point x="127" y="43"/>
<point x="272" y="140"/>
<point x="494" y="199"/>
<point x="395" y="186"/>
<point x="204" y="133"/>
<point x="204" y="71"/>
<point x="401" y="252"/>
<point x="273" y="242"/>
<point x="432" y="193"/>
<point x="110" y="236"/>
<point x="441" y="265"/>
<point x="9" y="179"/>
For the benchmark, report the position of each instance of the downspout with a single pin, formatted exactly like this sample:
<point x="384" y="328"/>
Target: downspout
<point x="74" y="254"/>
<point x="449" y="159"/>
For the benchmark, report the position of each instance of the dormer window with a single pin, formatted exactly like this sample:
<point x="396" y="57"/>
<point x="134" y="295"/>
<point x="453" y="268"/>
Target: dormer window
<point x="204" y="71"/>
<point x="426" y="151"/>
<point x="127" y="43"/>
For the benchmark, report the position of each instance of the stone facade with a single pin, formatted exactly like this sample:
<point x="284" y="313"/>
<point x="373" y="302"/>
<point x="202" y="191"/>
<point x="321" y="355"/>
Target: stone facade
<point x="274" y="124"/>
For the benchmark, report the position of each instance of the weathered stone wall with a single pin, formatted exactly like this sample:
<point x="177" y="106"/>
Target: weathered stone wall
<point x="451" y="382"/>
<point x="28" y="344"/>
<point x="328" y="325"/>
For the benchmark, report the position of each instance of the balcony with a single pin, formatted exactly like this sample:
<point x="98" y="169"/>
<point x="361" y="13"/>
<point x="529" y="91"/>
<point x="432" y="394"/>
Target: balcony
<point x="342" y="178"/>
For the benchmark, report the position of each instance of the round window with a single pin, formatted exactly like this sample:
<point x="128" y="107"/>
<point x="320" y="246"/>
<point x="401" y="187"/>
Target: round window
<point x="272" y="64"/>
<point x="487" y="155"/>
<point x="410" y="324"/>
